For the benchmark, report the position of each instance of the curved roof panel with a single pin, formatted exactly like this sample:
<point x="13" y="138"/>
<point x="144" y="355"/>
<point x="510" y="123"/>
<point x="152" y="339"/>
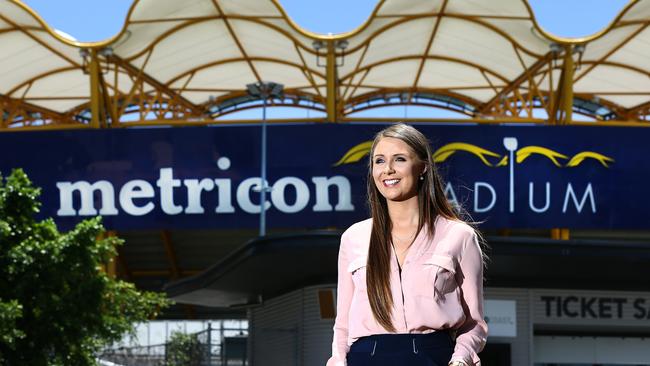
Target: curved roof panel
<point x="193" y="59"/>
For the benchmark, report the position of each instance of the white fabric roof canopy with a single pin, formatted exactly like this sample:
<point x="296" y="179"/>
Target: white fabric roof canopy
<point x="204" y="52"/>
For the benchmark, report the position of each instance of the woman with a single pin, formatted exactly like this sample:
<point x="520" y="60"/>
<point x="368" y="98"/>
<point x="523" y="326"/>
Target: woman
<point x="410" y="286"/>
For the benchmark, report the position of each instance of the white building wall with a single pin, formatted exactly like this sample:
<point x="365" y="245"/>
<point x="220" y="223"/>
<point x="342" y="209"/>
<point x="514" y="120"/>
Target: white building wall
<point x="521" y="345"/>
<point x="317" y="332"/>
<point x="288" y="330"/>
<point x="275" y="329"/>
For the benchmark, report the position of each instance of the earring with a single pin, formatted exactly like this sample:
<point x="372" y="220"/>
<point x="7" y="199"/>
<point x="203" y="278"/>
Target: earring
<point x="422" y="177"/>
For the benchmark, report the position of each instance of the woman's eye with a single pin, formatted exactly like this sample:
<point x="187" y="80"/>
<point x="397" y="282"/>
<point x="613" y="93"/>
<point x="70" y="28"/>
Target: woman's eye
<point x="378" y="161"/>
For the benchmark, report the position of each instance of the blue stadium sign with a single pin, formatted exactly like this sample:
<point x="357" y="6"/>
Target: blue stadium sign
<point x="208" y="177"/>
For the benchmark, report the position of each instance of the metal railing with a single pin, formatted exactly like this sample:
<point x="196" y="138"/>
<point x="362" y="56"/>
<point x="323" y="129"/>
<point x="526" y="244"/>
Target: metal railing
<point x="210" y="347"/>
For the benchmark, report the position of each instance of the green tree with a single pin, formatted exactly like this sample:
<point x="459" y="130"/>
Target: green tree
<point x="57" y="305"/>
<point x="183" y="350"/>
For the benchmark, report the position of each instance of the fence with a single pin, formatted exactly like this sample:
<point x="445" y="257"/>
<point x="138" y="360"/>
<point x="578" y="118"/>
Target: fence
<point x="211" y="347"/>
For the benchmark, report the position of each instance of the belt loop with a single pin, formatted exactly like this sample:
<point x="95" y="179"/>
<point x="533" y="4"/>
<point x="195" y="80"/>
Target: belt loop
<point x="373" y="349"/>
<point x="415" y="350"/>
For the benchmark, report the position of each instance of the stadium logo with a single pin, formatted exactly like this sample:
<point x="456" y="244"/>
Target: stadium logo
<point x="360" y="151"/>
<point x="139" y="197"/>
<point x="514" y="155"/>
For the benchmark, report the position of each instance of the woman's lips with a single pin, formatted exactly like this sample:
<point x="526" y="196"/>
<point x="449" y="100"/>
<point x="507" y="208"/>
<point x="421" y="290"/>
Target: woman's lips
<point x="387" y="182"/>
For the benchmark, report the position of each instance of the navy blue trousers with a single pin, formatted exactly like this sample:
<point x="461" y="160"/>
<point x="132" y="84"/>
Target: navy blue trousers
<point x="432" y="349"/>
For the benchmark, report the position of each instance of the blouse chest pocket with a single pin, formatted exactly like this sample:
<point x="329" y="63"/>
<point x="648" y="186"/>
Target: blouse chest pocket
<point x="357" y="268"/>
<point x="442" y="274"/>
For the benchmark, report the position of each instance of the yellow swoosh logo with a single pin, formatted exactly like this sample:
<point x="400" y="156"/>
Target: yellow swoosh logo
<point x="446" y="151"/>
<point x="355" y="154"/>
<point x="525" y="152"/>
<point x="578" y="158"/>
<point x="359" y="151"/>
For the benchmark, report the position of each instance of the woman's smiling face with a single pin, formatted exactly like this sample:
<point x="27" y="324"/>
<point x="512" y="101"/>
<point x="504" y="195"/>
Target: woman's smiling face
<point x="395" y="169"/>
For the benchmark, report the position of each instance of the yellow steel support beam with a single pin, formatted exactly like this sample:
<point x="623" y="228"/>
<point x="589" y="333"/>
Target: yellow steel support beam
<point x="13" y="108"/>
<point x="636" y="111"/>
<point x="429" y="44"/>
<point x="107" y="107"/>
<point x="173" y="266"/>
<point x="171" y="254"/>
<point x="21" y="103"/>
<point x="567" y="86"/>
<point x="124" y="267"/>
<point x="102" y="236"/>
<point x="235" y="38"/>
<point x="48" y="127"/>
<point x="560" y="234"/>
<point x="95" y="89"/>
<point x="555" y="99"/>
<point x="527" y="75"/>
<point x="111" y="266"/>
<point x="331" y="79"/>
<point x="496" y="121"/>
<point x="140" y="75"/>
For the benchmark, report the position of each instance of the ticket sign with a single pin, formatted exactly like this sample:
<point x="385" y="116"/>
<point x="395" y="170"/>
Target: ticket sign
<point x="208" y="177"/>
<point x="584" y="307"/>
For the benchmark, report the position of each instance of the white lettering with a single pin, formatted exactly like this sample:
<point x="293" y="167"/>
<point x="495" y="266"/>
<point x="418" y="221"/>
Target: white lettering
<point x="478" y="185"/>
<point x="166" y="182"/>
<point x="451" y="195"/>
<point x="86" y="191"/>
<point x="225" y="204"/>
<point x="244" y="198"/>
<point x="278" y="197"/>
<point x="136" y="189"/>
<point x="531" y="194"/>
<point x="194" y="189"/>
<point x="322" y="184"/>
<point x="570" y="193"/>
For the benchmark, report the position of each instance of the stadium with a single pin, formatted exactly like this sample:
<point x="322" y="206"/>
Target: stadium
<point x="542" y="139"/>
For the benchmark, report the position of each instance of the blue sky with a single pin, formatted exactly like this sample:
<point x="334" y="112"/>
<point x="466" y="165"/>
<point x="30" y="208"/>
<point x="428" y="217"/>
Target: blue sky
<point x="92" y="20"/>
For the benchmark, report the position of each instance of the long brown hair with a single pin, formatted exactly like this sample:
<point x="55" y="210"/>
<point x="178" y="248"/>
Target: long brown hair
<point x="431" y="203"/>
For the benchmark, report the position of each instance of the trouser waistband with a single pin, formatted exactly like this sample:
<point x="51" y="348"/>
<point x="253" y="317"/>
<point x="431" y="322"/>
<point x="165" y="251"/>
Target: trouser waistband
<point x="385" y="343"/>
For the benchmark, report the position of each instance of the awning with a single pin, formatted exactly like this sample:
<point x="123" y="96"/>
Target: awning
<point x="189" y="62"/>
<point x="262" y="268"/>
<point x="267" y="267"/>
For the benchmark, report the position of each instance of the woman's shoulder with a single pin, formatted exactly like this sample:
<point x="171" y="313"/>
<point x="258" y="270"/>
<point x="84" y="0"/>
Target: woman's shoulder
<point x="356" y="238"/>
<point x="452" y="236"/>
<point x="454" y="227"/>
<point x="359" y="228"/>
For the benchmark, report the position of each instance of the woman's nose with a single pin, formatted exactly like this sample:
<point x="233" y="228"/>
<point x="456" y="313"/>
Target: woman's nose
<point x="389" y="167"/>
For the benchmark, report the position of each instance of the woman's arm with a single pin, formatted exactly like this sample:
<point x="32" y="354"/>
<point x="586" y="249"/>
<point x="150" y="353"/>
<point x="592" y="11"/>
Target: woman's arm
<point x="344" y="291"/>
<point x="471" y="336"/>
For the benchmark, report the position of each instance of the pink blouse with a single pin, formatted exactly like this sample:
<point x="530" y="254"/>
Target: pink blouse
<point x="442" y="282"/>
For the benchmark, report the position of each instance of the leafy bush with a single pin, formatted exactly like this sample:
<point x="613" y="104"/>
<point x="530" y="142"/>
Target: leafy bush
<point x="57" y="305"/>
<point x="184" y="350"/>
